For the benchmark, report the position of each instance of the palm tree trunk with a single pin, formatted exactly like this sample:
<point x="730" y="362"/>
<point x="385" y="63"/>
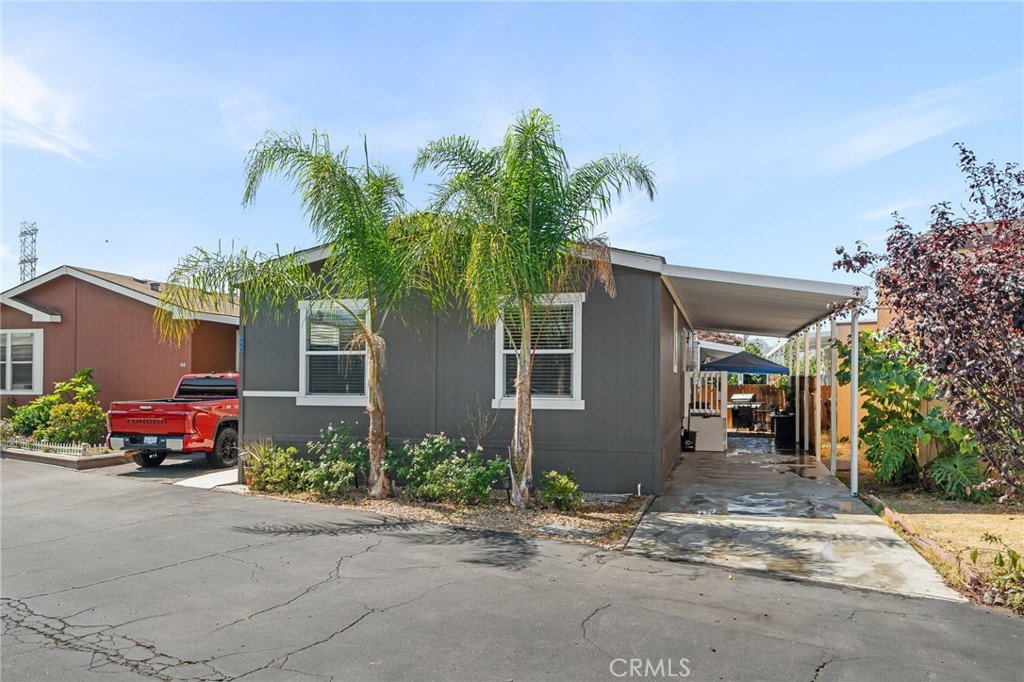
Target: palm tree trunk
<point x="522" y="437"/>
<point x="379" y="485"/>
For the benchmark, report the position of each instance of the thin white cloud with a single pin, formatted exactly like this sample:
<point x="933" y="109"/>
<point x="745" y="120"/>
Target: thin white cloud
<point x="38" y="116"/>
<point x="246" y="114"/>
<point x="878" y="133"/>
<point x="635" y="225"/>
<point x="886" y="211"/>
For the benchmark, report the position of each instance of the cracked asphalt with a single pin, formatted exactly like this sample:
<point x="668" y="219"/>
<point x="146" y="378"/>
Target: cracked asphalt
<point x="108" y="578"/>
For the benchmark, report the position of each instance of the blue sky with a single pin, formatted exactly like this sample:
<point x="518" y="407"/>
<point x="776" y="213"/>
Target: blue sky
<point x="777" y="131"/>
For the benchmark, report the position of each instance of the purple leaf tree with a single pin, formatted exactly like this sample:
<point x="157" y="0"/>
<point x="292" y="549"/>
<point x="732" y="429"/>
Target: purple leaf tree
<point x="957" y="295"/>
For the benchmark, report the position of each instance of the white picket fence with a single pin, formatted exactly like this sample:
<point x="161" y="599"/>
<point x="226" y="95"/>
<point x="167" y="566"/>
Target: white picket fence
<point x="76" y="449"/>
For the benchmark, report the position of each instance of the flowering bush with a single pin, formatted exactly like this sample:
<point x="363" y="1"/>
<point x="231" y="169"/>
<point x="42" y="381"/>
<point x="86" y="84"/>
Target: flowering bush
<point x="436" y="469"/>
<point x="561" y="490"/>
<point x="338" y="445"/>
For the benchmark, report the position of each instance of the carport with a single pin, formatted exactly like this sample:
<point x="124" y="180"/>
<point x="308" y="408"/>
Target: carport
<point x="785" y="307"/>
<point x="751" y="505"/>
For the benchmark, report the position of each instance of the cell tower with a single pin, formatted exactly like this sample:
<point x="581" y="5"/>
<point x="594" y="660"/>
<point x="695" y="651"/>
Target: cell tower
<point x="28" y="258"/>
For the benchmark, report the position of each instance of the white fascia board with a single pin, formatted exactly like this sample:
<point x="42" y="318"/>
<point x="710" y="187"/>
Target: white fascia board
<point x="37" y="314"/>
<point x="110" y="286"/>
<point x="678" y="300"/>
<point x="85" y="277"/>
<point x="37" y="281"/>
<point x="206" y="317"/>
<point x="847" y="291"/>
<point x="638" y="261"/>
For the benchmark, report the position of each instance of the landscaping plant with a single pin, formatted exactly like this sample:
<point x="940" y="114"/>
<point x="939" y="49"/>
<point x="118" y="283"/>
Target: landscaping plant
<point x="1006" y="583"/>
<point x="337" y="444"/>
<point x="326" y="475"/>
<point x="957" y="295"/>
<point x="274" y="469"/>
<point x="55" y="416"/>
<point x="437" y="470"/>
<point x="77" y="422"/>
<point x="512" y="225"/>
<point x="561" y="490"/>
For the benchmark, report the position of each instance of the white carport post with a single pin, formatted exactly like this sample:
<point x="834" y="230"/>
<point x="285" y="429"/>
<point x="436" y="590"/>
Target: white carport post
<point x="834" y="428"/>
<point x="805" y="402"/>
<point x="796" y="392"/>
<point x="854" y="403"/>
<point x="817" y="390"/>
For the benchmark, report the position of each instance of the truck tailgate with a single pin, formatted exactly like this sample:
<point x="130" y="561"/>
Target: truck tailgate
<point x="150" y="418"/>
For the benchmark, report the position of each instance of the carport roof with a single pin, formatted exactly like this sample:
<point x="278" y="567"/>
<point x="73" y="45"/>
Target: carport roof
<point x="718" y="300"/>
<point x="740" y="302"/>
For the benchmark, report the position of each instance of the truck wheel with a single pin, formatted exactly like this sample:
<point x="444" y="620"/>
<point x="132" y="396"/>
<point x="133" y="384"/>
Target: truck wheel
<point x="225" y="449"/>
<point x="149" y="459"/>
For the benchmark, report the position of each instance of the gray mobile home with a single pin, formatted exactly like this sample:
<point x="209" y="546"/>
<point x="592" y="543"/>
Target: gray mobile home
<point x="610" y="408"/>
<point x="609" y="387"/>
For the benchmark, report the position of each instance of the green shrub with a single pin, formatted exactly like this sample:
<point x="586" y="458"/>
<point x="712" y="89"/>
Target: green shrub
<point x="30" y="418"/>
<point x="78" y="422"/>
<point x="561" y="490"/>
<point x="337" y="444"/>
<point x="1007" y="576"/>
<point x="414" y="460"/>
<point x="325" y="475"/>
<point x="958" y="474"/>
<point x="7" y="431"/>
<point x="274" y="470"/>
<point x="435" y="469"/>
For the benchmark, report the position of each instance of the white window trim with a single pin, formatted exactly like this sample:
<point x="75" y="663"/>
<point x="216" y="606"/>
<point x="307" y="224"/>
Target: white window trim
<point x="576" y="402"/>
<point x="319" y="399"/>
<point x="37" y="362"/>
<point x="675" y="340"/>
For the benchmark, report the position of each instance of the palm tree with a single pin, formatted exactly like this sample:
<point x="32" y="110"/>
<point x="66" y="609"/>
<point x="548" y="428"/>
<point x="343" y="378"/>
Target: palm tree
<point x="513" y="225"/>
<point x="358" y="214"/>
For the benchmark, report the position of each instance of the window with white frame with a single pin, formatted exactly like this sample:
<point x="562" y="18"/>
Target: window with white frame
<point x="555" y="329"/>
<point x="21" y="361"/>
<point x="332" y="369"/>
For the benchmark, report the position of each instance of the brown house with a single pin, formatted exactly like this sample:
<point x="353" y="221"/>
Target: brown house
<point x="71" y="318"/>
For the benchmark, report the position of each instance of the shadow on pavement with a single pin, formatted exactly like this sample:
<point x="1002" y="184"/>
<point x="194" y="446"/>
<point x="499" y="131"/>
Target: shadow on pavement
<point x="491" y="548"/>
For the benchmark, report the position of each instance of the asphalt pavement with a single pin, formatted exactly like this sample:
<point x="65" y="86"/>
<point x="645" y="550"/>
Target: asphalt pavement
<point x="109" y="578"/>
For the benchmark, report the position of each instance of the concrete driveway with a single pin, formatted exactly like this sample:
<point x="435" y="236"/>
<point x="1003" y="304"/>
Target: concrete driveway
<point x="110" y="579"/>
<point x="759" y="508"/>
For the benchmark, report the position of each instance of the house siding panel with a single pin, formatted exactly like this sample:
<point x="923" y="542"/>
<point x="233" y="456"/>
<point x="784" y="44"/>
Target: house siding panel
<point x="438" y="375"/>
<point x="213" y="347"/>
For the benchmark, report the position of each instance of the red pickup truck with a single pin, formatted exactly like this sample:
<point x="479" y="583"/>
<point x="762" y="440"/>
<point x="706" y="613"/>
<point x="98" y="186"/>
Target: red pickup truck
<point x="201" y="417"/>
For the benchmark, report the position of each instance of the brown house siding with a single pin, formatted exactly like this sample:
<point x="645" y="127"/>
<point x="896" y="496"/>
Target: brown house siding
<point x="114" y="335"/>
<point x="213" y="347"/>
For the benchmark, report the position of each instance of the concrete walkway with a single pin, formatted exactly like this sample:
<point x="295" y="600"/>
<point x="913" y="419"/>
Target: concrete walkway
<point x="758" y="508"/>
<point x="210" y="481"/>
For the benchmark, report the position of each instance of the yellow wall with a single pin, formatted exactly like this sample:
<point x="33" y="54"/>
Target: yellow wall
<point x="926" y="453"/>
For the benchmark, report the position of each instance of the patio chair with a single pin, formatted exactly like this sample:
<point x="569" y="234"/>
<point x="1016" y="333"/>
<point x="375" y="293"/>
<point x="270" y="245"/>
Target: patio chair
<point x="743" y="417"/>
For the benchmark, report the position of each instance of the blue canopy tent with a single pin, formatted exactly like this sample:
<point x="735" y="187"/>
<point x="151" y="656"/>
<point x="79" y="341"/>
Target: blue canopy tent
<point x="744" y="363"/>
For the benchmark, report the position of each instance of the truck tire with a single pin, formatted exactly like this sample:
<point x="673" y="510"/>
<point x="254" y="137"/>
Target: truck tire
<point x="225" y="449"/>
<point x="149" y="459"/>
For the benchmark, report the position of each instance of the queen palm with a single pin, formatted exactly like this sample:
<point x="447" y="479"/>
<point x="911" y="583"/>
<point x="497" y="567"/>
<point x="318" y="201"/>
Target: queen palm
<point x="357" y="213"/>
<point x="513" y="225"/>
